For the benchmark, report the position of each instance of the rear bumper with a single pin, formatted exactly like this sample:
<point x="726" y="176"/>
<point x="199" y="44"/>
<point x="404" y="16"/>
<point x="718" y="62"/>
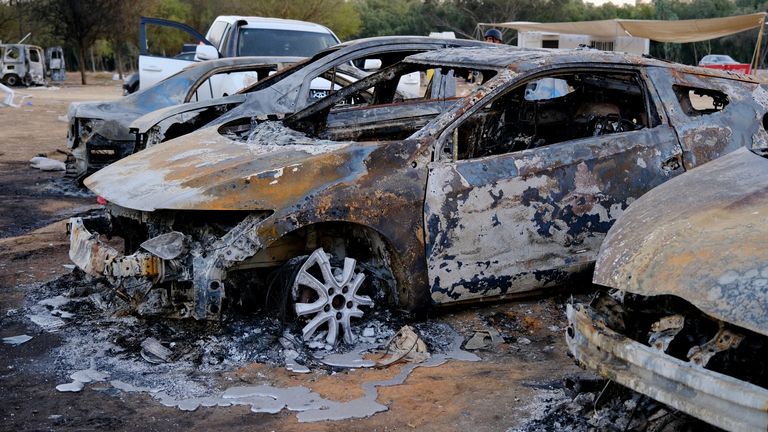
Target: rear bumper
<point x="718" y="399"/>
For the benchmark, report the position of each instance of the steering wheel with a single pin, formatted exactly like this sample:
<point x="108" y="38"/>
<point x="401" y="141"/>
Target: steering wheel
<point x="611" y="123"/>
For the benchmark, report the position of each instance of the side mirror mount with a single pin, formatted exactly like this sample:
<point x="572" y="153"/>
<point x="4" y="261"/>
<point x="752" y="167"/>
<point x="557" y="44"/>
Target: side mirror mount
<point x="206" y="52"/>
<point x="372" y="64"/>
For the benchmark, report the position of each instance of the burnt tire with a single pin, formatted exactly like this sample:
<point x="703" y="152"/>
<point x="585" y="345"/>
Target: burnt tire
<point x="11" y="80"/>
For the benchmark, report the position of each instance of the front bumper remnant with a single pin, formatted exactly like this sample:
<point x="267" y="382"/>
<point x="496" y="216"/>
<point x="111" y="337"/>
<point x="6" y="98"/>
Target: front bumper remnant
<point x="96" y="258"/>
<point x="718" y="399"/>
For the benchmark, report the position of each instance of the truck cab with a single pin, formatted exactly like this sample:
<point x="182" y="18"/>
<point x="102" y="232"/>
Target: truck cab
<point x="22" y="64"/>
<point x="234" y="36"/>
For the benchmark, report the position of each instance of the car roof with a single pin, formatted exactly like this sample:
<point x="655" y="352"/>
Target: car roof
<point x="236" y="61"/>
<point x="525" y="59"/>
<point x="393" y="40"/>
<point x="275" y="23"/>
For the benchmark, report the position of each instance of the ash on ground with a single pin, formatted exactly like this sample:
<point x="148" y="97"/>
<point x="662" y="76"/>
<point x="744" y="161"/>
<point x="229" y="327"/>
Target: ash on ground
<point x="193" y="353"/>
<point x="585" y="404"/>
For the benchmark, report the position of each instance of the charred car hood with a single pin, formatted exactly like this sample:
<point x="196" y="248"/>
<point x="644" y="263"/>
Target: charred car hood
<point x="277" y="167"/>
<point x="701" y="236"/>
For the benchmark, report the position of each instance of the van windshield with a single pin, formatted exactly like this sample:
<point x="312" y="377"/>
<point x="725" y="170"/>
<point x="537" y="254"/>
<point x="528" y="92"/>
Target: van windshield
<point x="275" y="42"/>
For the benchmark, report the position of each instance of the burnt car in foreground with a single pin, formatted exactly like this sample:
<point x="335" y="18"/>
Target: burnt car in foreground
<point x="98" y="132"/>
<point x="688" y="325"/>
<point x="436" y="199"/>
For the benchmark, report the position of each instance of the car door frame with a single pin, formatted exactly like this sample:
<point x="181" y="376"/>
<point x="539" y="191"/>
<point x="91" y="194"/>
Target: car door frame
<point x="452" y="278"/>
<point x="153" y="69"/>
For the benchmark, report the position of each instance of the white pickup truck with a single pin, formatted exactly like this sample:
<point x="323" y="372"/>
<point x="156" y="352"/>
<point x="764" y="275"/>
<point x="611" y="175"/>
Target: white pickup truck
<point x="234" y="36"/>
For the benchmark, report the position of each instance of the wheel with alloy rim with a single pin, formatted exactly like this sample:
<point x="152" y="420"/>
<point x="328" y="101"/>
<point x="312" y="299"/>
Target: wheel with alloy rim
<point x="328" y="295"/>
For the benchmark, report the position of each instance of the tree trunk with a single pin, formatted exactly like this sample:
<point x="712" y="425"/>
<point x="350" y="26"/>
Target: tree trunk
<point x="119" y="60"/>
<point x="81" y="61"/>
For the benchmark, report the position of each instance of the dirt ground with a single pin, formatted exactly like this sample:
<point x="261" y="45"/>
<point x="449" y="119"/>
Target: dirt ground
<point x="511" y="386"/>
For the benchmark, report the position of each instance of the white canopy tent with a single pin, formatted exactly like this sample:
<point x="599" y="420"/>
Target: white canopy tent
<point x="679" y="31"/>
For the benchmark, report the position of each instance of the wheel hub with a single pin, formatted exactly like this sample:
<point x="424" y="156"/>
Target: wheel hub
<point x="336" y="299"/>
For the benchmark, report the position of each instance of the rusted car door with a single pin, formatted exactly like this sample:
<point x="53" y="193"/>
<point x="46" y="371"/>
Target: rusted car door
<point x="712" y="116"/>
<point x="502" y="218"/>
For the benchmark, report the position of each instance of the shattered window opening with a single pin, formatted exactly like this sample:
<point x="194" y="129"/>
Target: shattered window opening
<point x="34" y="56"/>
<point x="320" y="82"/>
<point x="227" y="82"/>
<point x="387" y="116"/>
<point x="699" y="101"/>
<point x="553" y="109"/>
<point x="12" y="53"/>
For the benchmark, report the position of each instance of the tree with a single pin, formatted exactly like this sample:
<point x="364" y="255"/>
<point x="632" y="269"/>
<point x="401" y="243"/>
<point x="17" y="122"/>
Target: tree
<point x="78" y="22"/>
<point x="124" y="28"/>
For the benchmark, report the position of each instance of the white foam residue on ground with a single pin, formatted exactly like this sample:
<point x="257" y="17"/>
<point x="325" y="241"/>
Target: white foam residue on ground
<point x="16" y="340"/>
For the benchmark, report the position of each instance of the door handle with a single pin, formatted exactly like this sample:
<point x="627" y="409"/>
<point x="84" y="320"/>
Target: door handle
<point x="152" y="69"/>
<point x="673" y="163"/>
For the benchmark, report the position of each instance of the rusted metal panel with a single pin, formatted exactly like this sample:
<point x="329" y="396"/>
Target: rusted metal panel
<point x="700" y="237"/>
<point x="514" y="222"/>
<point x="718" y="399"/>
<point x="708" y="134"/>
<point x="87" y="251"/>
<point x="94" y="257"/>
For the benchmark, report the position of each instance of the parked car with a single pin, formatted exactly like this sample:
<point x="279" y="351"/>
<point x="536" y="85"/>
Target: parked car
<point x="688" y="325"/>
<point x="98" y="132"/>
<point x="284" y="92"/>
<point x="431" y="200"/>
<point x="233" y="36"/>
<point x="716" y="59"/>
<point x="22" y="64"/>
<point x="724" y="62"/>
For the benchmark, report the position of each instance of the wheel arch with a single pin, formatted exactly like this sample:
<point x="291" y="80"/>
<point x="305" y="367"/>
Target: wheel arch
<point x="373" y="250"/>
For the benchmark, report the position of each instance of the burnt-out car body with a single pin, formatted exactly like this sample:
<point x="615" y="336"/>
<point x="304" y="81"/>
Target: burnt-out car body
<point x="689" y="324"/>
<point x="440" y="199"/>
<point x="295" y="88"/>
<point x="98" y="132"/>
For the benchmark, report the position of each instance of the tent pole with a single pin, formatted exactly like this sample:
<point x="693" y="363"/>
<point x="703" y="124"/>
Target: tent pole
<point x="756" y="55"/>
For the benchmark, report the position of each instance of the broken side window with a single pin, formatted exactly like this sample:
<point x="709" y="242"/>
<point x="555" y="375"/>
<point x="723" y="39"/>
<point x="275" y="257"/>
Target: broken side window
<point x="700" y="101"/>
<point x="34" y="56"/>
<point x="381" y="112"/>
<point x="553" y="109"/>
<point x="320" y="86"/>
<point x="227" y="82"/>
<point x="12" y="53"/>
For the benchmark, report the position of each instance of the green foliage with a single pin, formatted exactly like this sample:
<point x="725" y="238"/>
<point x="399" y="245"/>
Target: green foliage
<point x="356" y="18"/>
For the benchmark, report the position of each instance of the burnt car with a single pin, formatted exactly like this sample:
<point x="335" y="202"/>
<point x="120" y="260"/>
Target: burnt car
<point x="98" y="132"/>
<point x="441" y="198"/>
<point x="295" y="88"/>
<point x="688" y="324"/>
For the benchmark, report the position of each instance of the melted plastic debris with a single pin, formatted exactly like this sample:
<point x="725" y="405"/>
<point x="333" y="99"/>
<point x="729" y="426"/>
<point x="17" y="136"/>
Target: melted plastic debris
<point x="311" y="407"/>
<point x="351" y="359"/>
<point x="47" y="321"/>
<point x="74" y="386"/>
<point x="17" y="340"/>
<point x="46" y="313"/>
<point x="126" y="387"/>
<point x="80" y="378"/>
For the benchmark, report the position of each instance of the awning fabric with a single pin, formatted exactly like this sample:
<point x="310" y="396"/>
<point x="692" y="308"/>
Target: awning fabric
<point x="679" y="31"/>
